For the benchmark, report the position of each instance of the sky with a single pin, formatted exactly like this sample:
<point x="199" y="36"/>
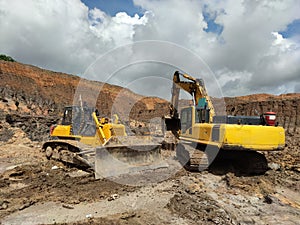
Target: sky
<point x="238" y="47"/>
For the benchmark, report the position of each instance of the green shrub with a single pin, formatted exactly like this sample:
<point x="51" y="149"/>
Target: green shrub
<point x="6" y="58"/>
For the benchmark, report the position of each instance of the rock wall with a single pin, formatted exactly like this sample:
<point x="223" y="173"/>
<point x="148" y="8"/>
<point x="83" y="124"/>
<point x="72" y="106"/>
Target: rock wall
<point x="30" y="90"/>
<point x="286" y="106"/>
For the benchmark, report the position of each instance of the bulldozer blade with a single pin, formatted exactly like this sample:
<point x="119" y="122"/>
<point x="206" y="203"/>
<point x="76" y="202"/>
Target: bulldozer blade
<point x="116" y="159"/>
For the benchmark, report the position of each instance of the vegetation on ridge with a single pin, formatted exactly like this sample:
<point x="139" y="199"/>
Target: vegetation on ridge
<point x="6" y="58"/>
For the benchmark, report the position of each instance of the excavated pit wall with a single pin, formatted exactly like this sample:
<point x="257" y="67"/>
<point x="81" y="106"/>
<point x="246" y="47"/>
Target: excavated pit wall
<point x="31" y="90"/>
<point x="288" y="111"/>
<point x="27" y="91"/>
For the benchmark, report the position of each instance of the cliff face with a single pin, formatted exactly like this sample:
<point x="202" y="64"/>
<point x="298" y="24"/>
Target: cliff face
<point x="35" y="91"/>
<point x="287" y="107"/>
<point x="29" y="89"/>
<point x="26" y="89"/>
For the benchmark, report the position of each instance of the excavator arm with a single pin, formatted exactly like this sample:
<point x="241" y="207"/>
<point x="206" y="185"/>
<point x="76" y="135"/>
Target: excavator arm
<point x="194" y="87"/>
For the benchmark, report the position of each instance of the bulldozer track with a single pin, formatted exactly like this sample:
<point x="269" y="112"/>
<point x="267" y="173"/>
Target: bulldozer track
<point x="70" y="151"/>
<point x="119" y="155"/>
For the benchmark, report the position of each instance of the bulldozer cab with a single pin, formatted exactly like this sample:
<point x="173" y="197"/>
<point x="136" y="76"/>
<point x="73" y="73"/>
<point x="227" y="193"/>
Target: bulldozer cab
<point x="80" y="119"/>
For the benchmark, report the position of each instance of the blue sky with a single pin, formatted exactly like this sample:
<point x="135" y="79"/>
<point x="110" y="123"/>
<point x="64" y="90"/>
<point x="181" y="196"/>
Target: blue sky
<point x="259" y="53"/>
<point x="292" y="29"/>
<point x="112" y="7"/>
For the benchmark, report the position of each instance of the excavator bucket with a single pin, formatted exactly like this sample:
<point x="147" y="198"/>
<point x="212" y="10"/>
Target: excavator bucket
<point x="123" y="155"/>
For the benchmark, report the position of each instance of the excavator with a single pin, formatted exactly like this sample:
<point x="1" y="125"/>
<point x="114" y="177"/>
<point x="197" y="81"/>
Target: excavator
<point x="205" y="138"/>
<point x="91" y="142"/>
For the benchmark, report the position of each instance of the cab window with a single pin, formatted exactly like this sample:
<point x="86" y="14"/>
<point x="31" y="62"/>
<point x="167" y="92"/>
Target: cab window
<point x="67" y="118"/>
<point x="186" y="119"/>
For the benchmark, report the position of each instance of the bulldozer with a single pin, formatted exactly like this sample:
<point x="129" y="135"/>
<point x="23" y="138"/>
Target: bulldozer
<point x="88" y="141"/>
<point x="204" y="138"/>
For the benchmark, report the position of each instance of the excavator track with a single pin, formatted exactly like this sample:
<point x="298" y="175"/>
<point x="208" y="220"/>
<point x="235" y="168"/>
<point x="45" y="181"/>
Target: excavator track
<point x="240" y="162"/>
<point x="191" y="158"/>
<point x="221" y="161"/>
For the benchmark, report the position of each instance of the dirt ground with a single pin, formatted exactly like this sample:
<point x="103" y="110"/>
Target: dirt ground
<point x="34" y="190"/>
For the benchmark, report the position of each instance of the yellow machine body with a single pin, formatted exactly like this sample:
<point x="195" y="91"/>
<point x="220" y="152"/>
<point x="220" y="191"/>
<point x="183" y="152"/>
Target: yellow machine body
<point x="103" y="132"/>
<point x="235" y="140"/>
<point x="87" y="141"/>
<point x="233" y="136"/>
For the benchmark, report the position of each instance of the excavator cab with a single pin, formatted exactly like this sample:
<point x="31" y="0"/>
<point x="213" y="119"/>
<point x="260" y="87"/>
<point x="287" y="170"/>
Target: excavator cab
<point x="202" y="111"/>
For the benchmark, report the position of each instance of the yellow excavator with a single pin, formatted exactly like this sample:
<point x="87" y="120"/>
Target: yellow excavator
<point x="205" y="137"/>
<point x="91" y="142"/>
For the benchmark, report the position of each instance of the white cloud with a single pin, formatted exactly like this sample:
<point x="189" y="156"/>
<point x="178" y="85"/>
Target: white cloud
<point x="119" y="29"/>
<point x="50" y="34"/>
<point x="249" y="55"/>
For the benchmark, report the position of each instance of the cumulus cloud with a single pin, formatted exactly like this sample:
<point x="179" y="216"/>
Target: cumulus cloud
<point x="248" y="55"/>
<point x="61" y="35"/>
<point x="50" y="34"/>
<point x="118" y="29"/>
